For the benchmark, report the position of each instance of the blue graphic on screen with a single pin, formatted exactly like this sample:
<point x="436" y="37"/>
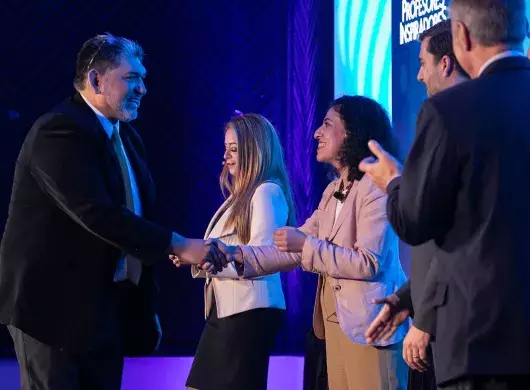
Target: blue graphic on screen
<point x="374" y="40"/>
<point x="363" y="50"/>
<point x="527" y="41"/>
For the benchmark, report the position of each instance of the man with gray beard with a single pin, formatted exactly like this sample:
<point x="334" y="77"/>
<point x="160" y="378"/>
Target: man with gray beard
<point x="77" y="285"/>
<point x="463" y="186"/>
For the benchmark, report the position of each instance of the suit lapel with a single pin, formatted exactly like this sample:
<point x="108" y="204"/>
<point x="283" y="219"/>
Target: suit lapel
<point x="328" y="216"/>
<point x="77" y="108"/>
<point x="215" y="218"/>
<point x="345" y="211"/>
<point x="326" y="222"/>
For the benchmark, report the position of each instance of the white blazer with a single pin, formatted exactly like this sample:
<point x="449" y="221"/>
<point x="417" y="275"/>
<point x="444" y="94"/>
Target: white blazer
<point x="269" y="211"/>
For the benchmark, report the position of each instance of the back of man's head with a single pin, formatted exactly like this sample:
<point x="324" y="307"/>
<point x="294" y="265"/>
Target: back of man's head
<point x="492" y="22"/>
<point x="441" y="44"/>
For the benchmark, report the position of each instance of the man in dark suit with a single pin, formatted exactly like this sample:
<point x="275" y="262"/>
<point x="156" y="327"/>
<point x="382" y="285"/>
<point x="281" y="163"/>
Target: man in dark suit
<point x="461" y="186"/>
<point x="439" y="70"/>
<point x="76" y="260"/>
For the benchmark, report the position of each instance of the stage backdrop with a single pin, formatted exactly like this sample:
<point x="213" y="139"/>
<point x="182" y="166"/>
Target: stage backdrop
<point x="204" y="59"/>
<point x="363" y="57"/>
<point x="408" y="20"/>
<point x="408" y="93"/>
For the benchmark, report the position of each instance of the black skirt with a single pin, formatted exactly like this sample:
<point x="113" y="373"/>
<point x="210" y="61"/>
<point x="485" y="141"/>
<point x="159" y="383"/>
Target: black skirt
<point x="234" y="351"/>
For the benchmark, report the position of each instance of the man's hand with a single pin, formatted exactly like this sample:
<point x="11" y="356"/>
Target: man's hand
<point x="415" y="349"/>
<point x="195" y="252"/>
<point x="289" y="239"/>
<point x="387" y="321"/>
<point x="220" y="253"/>
<point x="382" y="170"/>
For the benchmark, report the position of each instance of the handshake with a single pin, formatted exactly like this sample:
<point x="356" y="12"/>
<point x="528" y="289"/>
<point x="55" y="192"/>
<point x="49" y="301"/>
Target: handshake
<point x="211" y="256"/>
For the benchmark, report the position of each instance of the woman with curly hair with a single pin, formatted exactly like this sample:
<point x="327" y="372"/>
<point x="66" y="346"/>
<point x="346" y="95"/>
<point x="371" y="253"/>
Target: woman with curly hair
<point x="348" y="241"/>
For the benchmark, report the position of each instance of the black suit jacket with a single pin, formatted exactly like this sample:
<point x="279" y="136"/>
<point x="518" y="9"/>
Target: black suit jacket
<point x="411" y="294"/>
<point x="66" y="229"/>
<point x="464" y="185"/>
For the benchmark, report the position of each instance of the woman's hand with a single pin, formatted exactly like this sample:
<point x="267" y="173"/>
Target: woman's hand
<point x="289" y="239"/>
<point x="199" y="252"/>
<point x="221" y="253"/>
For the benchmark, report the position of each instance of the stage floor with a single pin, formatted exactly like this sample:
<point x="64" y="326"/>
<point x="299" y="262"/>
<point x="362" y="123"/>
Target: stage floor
<point x="285" y="373"/>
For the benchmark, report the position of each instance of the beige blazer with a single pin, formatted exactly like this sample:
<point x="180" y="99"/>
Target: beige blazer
<point x="269" y="211"/>
<point x="358" y="254"/>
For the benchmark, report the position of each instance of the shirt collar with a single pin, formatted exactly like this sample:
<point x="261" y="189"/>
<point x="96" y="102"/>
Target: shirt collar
<point x="500" y="56"/>
<point x="108" y="126"/>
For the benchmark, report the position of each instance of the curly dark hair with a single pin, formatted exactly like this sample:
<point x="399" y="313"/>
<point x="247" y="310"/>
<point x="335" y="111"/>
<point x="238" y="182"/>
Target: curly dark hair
<point x="364" y="119"/>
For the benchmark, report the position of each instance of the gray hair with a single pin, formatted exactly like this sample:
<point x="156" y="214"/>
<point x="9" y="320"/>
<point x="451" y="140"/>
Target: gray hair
<point x="492" y="22"/>
<point x="102" y="53"/>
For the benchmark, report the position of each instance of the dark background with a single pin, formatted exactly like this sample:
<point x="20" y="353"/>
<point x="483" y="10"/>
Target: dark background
<point x="408" y="94"/>
<point x="205" y="59"/>
<point x="406" y="89"/>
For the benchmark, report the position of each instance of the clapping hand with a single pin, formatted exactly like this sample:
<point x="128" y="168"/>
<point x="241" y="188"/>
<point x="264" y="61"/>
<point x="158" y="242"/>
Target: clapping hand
<point x="381" y="169"/>
<point x="388" y="320"/>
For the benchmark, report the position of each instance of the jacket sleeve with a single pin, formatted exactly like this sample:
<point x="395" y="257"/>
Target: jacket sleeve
<point x="426" y="313"/>
<point x="427" y="188"/>
<point x="269" y="212"/>
<point x="365" y="260"/>
<point x="265" y="260"/>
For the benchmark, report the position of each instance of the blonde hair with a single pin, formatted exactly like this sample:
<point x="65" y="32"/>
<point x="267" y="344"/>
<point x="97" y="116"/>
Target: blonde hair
<point x="260" y="159"/>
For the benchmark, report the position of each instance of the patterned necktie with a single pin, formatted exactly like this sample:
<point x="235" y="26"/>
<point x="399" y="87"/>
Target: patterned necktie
<point x="128" y="266"/>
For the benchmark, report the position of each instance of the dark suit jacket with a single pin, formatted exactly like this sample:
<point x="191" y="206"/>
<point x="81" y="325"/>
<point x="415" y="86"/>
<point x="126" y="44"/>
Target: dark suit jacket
<point x="411" y="294"/>
<point x="463" y="185"/>
<point x="66" y="229"/>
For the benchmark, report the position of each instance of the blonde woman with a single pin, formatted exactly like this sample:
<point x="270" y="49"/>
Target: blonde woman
<point x="348" y="241"/>
<point x="244" y="316"/>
